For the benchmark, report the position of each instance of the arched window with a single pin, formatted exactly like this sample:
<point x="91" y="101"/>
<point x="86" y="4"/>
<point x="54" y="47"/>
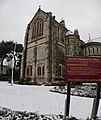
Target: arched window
<point x="97" y="49"/>
<point x="38" y="28"/>
<point x="39" y="70"/>
<point x="27" y="71"/>
<point x="33" y="32"/>
<point x="93" y="50"/>
<point x="43" y="70"/>
<point x="60" y="70"/>
<point x="41" y="28"/>
<point x="88" y="51"/>
<point x="85" y="52"/>
<point x="30" y="70"/>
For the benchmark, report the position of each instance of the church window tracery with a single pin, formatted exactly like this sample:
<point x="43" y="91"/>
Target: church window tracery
<point x="38" y="28"/>
<point x="29" y="71"/>
<point x="40" y="70"/>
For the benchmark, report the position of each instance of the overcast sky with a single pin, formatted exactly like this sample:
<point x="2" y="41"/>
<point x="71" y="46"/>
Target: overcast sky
<point x="84" y="15"/>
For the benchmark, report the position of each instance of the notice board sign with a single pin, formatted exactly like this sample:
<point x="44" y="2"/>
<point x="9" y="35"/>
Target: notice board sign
<point x="83" y="69"/>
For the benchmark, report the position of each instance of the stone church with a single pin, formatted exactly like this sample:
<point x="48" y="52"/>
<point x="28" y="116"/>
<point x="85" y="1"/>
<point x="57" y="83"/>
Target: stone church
<point x="46" y="44"/>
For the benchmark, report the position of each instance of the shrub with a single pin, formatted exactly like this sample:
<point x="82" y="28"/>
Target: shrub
<point x="59" y="78"/>
<point x="4" y="78"/>
<point x="27" y="80"/>
<point x="72" y="118"/>
<point x="21" y="81"/>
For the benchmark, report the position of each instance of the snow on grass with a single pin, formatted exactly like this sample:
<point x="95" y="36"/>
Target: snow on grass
<point x="31" y="98"/>
<point x="40" y="100"/>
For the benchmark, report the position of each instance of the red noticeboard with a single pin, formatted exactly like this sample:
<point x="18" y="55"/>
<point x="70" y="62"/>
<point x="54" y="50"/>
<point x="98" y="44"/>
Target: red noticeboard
<point x="83" y="69"/>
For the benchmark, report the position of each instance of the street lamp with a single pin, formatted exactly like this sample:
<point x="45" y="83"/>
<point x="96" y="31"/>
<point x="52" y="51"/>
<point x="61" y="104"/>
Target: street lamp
<point x="13" y="63"/>
<point x="12" y="71"/>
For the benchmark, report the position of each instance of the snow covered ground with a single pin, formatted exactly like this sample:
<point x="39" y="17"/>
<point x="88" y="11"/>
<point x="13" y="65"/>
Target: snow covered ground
<point x="40" y="100"/>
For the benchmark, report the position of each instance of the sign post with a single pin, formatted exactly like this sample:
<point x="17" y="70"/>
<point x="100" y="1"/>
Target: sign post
<point x="83" y="69"/>
<point x="96" y="103"/>
<point x="68" y="99"/>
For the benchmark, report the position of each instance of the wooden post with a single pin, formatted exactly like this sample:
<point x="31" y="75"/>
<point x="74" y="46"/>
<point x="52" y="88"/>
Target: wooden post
<point x="96" y="102"/>
<point x="68" y="99"/>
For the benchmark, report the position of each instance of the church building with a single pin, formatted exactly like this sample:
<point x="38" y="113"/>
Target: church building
<point x="46" y="44"/>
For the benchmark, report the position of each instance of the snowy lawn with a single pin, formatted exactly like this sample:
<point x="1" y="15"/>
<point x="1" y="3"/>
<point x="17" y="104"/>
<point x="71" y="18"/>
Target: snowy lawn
<point x="40" y="100"/>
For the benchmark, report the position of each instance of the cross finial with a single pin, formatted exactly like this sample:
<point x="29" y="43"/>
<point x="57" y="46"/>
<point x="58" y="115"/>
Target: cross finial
<point x="89" y="36"/>
<point x="39" y="6"/>
<point x="89" y="40"/>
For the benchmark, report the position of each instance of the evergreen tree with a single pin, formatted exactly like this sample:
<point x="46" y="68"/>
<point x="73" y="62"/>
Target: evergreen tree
<point x="7" y="52"/>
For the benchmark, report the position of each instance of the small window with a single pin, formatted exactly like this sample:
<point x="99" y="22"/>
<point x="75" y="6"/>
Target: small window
<point x="27" y="71"/>
<point x="30" y="70"/>
<point x="43" y="70"/>
<point x="93" y="50"/>
<point x="88" y="51"/>
<point x="39" y="70"/>
<point x="38" y="28"/>
<point x="85" y="51"/>
<point x="60" y="70"/>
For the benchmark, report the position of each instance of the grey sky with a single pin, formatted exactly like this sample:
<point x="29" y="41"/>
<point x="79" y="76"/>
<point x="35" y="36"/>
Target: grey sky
<point x="83" y="15"/>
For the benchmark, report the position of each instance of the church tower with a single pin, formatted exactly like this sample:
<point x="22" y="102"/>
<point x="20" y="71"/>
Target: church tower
<point x="44" y="49"/>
